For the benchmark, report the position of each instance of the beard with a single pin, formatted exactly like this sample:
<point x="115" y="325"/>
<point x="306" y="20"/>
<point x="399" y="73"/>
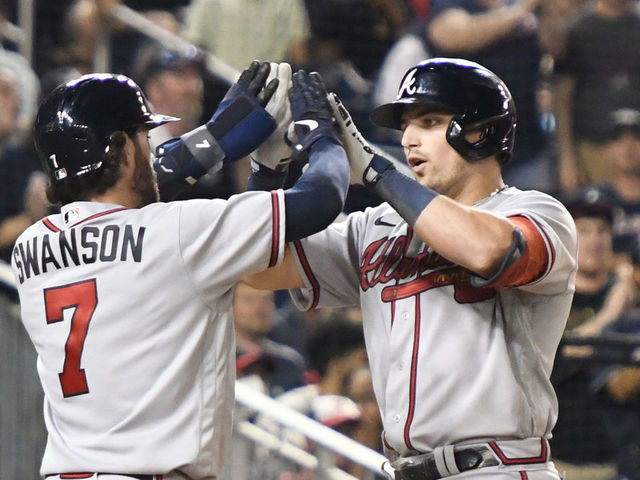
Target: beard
<point x="145" y="182"/>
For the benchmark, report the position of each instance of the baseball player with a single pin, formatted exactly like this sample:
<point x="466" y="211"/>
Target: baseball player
<point x="127" y="300"/>
<point x="464" y="282"/>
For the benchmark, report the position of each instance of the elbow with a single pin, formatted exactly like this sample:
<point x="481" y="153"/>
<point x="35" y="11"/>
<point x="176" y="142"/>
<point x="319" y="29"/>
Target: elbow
<point x="490" y="257"/>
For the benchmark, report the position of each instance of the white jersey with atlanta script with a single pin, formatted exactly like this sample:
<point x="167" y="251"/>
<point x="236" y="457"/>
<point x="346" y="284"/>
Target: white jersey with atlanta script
<point x="450" y="362"/>
<point x="130" y="314"/>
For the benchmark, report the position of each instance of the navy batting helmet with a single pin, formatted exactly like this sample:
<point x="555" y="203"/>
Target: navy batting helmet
<point x="477" y="98"/>
<point x="75" y="121"/>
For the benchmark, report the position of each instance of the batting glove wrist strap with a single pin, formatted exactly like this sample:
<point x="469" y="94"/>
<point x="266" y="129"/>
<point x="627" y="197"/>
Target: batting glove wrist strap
<point x="308" y="133"/>
<point x="376" y="168"/>
<point x="204" y="148"/>
<point x="240" y="126"/>
<point x="180" y="162"/>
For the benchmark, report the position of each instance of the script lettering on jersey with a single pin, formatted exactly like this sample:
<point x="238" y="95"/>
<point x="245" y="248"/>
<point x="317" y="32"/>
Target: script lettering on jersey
<point x="384" y="260"/>
<point x="88" y="244"/>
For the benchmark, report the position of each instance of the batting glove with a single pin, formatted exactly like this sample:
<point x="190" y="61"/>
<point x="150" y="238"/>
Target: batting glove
<point x="365" y="162"/>
<point x="241" y="122"/>
<point x="313" y="117"/>
<point x="275" y="153"/>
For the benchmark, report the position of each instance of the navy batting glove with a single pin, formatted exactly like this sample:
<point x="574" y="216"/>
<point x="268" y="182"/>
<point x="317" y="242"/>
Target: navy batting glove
<point x="312" y="115"/>
<point x="241" y="124"/>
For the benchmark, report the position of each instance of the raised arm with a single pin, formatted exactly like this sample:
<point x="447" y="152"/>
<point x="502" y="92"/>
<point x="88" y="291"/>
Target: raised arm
<point x="484" y="243"/>
<point x="243" y="120"/>
<point x="318" y="196"/>
<point x="457" y="30"/>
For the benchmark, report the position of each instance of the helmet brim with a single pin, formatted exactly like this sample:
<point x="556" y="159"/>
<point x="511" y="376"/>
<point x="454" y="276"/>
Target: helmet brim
<point x="156" y="119"/>
<point x="389" y="115"/>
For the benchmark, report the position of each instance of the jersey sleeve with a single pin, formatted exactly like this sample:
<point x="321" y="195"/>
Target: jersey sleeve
<point x="222" y="241"/>
<point x="329" y="264"/>
<point x="558" y="238"/>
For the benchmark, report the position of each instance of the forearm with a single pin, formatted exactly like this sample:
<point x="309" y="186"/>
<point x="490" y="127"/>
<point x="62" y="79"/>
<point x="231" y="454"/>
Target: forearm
<point x="318" y="196"/>
<point x="458" y="31"/>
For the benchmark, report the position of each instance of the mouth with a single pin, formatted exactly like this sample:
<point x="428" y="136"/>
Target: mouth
<point x="415" y="163"/>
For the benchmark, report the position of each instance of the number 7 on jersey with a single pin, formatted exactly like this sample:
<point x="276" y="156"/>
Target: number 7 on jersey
<point x="83" y="297"/>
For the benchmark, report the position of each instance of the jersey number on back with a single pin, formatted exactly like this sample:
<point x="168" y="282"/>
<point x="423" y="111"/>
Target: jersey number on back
<point x="83" y="297"/>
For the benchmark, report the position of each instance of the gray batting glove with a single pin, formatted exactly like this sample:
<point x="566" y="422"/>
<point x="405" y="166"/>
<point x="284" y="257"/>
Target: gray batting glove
<point x="359" y="151"/>
<point x="275" y="153"/>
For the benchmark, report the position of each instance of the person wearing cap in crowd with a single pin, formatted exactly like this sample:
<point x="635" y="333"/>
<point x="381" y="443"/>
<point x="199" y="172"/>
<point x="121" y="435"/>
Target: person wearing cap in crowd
<point x="621" y="153"/>
<point x="604" y="290"/>
<point x="175" y="85"/>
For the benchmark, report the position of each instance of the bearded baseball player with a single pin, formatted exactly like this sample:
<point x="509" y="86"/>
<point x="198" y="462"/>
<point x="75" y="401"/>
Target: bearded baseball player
<point x="464" y="282"/>
<point x="128" y="300"/>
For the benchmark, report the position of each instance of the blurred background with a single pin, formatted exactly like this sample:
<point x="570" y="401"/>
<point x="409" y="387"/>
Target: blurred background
<point x="573" y="67"/>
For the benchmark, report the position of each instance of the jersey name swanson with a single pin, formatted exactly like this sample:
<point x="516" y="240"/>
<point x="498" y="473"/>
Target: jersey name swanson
<point x="88" y="244"/>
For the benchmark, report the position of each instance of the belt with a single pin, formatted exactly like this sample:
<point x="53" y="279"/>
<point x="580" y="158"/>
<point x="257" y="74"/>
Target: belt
<point x="453" y="459"/>
<point x="80" y="476"/>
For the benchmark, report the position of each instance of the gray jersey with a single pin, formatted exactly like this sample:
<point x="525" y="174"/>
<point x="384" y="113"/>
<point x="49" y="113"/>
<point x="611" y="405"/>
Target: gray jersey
<point x="130" y="314"/>
<point x="450" y="362"/>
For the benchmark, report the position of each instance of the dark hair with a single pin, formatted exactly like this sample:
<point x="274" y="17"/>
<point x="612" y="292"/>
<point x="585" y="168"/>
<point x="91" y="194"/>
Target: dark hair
<point x="92" y="183"/>
<point x="333" y="337"/>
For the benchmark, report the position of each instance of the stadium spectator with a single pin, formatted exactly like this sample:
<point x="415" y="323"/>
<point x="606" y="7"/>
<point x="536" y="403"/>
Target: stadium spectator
<point x="335" y="348"/>
<point x="239" y="31"/>
<point x="604" y="291"/>
<point x="22" y="198"/>
<point x="359" y="388"/>
<point x="508" y="39"/>
<point x="273" y="367"/>
<point x="175" y="85"/>
<point x="620" y="383"/>
<point x="598" y="71"/>
<point x="620" y="152"/>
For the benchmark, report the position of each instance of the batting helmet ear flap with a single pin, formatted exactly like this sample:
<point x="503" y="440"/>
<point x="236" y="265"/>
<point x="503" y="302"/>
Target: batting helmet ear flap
<point x="492" y="131"/>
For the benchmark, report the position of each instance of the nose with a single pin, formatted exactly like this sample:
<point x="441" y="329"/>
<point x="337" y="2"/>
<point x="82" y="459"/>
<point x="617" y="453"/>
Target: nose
<point x="410" y="137"/>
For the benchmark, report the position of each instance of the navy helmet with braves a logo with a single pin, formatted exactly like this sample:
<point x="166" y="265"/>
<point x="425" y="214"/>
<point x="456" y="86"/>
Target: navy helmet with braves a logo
<point x="479" y="101"/>
<point x="74" y="123"/>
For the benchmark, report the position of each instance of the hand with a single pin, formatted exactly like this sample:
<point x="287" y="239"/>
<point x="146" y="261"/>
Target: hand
<point x="359" y="152"/>
<point x="275" y="153"/>
<point x="241" y="122"/>
<point x="313" y="117"/>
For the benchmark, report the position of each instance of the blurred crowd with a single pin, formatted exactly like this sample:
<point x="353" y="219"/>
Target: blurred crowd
<point x="573" y="67"/>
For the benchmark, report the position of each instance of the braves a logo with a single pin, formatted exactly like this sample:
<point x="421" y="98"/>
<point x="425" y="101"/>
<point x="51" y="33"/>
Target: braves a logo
<point x="384" y="261"/>
<point x="408" y="86"/>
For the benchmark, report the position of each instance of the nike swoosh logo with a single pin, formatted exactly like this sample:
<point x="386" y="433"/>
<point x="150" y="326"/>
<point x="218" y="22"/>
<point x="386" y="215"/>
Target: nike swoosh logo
<point x="312" y="124"/>
<point x="378" y="221"/>
<point x="203" y="144"/>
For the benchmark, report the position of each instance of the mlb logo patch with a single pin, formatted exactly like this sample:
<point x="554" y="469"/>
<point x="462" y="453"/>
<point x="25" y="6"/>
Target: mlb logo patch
<point x="71" y="215"/>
